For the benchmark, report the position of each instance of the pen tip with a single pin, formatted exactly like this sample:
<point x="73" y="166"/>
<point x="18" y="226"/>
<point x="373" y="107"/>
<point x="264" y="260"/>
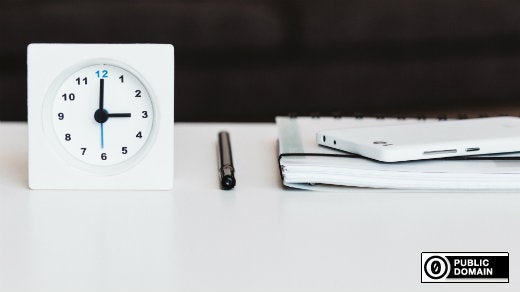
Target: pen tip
<point x="228" y="182"/>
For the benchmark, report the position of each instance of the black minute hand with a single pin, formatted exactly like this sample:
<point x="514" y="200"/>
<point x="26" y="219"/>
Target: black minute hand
<point x="101" y="92"/>
<point x="101" y="115"/>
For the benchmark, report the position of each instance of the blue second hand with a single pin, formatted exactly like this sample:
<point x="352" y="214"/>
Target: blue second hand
<point x="102" y="137"/>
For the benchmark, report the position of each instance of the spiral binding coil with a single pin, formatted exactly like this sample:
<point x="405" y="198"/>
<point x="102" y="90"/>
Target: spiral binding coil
<point x="356" y="115"/>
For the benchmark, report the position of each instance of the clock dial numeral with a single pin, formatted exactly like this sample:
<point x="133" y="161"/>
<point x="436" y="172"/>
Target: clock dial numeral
<point x="70" y="96"/>
<point x="139" y="135"/>
<point x="138" y="93"/>
<point x="122" y="78"/>
<point x="145" y="114"/>
<point x="102" y="73"/>
<point x="61" y="116"/>
<point x="83" y="150"/>
<point x="67" y="137"/>
<point x="124" y="150"/>
<point x="79" y="80"/>
<point x="103" y="156"/>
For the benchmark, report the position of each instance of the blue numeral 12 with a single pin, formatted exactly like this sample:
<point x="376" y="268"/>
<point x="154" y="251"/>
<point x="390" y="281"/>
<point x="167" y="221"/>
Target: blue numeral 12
<point x="102" y="74"/>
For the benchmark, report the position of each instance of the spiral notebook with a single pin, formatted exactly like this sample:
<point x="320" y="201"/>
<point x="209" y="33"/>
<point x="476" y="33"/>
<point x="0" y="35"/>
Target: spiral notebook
<point x="306" y="165"/>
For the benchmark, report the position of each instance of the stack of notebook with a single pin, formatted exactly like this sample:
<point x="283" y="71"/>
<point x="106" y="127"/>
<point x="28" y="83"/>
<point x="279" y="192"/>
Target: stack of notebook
<point x="306" y="165"/>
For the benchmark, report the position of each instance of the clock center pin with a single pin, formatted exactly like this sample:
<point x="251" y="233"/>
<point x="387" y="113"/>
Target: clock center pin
<point x="101" y="115"/>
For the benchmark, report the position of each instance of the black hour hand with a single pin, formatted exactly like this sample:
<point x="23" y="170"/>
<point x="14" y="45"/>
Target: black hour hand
<point x="120" y="115"/>
<point x="102" y="115"/>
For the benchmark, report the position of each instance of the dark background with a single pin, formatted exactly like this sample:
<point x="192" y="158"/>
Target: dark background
<point x="252" y="60"/>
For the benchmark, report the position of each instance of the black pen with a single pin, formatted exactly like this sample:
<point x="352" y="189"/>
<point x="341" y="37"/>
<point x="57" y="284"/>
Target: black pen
<point x="226" y="169"/>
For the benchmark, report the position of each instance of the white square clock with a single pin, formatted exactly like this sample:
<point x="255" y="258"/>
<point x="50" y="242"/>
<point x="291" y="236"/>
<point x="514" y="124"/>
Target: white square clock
<point x="100" y="116"/>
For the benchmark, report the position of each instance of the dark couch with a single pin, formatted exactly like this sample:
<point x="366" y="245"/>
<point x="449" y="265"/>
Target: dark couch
<point x="252" y="60"/>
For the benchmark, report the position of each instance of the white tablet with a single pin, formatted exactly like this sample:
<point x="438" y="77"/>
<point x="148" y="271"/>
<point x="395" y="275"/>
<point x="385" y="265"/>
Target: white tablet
<point x="427" y="139"/>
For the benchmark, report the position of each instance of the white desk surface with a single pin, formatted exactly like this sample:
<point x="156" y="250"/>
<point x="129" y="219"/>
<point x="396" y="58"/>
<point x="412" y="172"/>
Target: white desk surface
<point x="258" y="237"/>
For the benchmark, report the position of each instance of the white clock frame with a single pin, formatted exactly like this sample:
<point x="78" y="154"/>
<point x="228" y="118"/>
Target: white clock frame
<point x="50" y="166"/>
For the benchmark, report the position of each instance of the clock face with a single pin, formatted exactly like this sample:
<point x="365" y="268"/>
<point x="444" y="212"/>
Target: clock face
<point x="102" y="115"/>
